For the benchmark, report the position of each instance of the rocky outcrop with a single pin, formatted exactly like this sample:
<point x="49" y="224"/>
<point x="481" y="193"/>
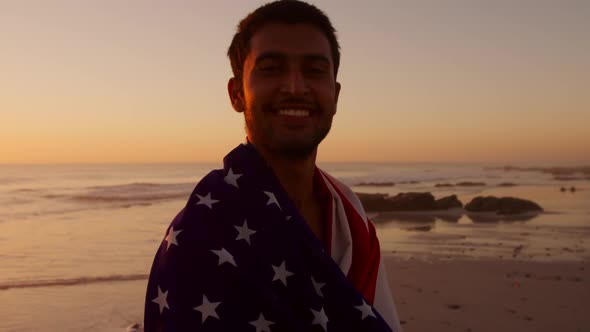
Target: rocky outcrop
<point x="400" y="202"/>
<point x="507" y="184"/>
<point x="376" y="184"/>
<point x="412" y="202"/>
<point x="425" y="228"/>
<point x="374" y="202"/>
<point x="407" y="202"/>
<point x="572" y="189"/>
<point x="502" y="205"/>
<point x="460" y="184"/>
<point x="470" y="184"/>
<point x="449" y="202"/>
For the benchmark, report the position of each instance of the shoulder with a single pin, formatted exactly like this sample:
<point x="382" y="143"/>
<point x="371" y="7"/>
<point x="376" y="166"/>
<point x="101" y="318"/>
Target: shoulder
<point x="210" y="185"/>
<point x="210" y="197"/>
<point x="206" y="213"/>
<point x="201" y="230"/>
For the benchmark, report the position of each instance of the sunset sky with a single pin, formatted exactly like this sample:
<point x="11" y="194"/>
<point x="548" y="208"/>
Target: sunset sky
<point x="437" y="81"/>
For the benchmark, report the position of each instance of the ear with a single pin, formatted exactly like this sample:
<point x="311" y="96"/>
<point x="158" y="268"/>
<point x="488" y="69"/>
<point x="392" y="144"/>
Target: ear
<point x="337" y="94"/>
<point x="236" y="94"/>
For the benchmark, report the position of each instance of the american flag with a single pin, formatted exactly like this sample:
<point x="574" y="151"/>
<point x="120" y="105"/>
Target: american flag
<point x="239" y="257"/>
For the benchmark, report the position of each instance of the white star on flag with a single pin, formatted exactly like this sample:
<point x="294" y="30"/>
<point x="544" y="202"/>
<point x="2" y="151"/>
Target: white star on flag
<point x="320" y="318"/>
<point x="318" y="287"/>
<point x="224" y="257"/>
<point x="161" y="300"/>
<point x="272" y="199"/>
<point x="365" y="309"/>
<point x="232" y="178"/>
<point x="261" y="324"/>
<point x="207" y="309"/>
<point x="244" y="232"/>
<point x="281" y="273"/>
<point x="206" y="200"/>
<point x="171" y="237"/>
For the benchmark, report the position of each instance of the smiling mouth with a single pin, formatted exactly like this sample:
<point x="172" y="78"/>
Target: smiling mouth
<point x="294" y="112"/>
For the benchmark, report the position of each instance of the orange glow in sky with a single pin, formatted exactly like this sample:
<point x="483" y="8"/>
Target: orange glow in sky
<point x="136" y="81"/>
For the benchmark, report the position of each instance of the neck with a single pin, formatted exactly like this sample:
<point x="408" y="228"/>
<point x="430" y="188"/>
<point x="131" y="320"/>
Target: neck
<point x="295" y="175"/>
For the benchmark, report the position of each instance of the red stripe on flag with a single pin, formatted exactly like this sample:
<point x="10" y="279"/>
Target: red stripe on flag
<point x="366" y="254"/>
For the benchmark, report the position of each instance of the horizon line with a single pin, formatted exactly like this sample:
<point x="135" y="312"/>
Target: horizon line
<point x="504" y="163"/>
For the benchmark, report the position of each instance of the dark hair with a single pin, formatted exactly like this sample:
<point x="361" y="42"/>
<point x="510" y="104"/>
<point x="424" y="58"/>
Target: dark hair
<point x="282" y="11"/>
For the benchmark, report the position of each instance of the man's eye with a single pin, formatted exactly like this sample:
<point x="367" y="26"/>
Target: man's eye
<point x="317" y="70"/>
<point x="269" y="69"/>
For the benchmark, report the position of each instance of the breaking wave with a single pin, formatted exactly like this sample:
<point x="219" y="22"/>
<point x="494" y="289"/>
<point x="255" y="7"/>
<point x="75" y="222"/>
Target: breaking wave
<point x="136" y="192"/>
<point x="133" y="192"/>
<point x="71" y="281"/>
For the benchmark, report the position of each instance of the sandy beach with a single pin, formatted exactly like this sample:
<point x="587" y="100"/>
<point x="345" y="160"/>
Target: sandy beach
<point x="76" y="244"/>
<point x="490" y="295"/>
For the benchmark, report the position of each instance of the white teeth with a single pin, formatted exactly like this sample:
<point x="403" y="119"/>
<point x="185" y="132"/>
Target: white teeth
<point x="299" y="113"/>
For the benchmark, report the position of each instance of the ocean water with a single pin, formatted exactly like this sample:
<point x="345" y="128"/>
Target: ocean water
<point x="77" y="241"/>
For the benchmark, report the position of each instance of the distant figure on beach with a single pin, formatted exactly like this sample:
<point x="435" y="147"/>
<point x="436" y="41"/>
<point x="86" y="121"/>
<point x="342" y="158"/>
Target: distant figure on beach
<point x="271" y="242"/>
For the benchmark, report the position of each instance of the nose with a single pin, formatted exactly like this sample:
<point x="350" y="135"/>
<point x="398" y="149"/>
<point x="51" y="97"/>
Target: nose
<point x="295" y="83"/>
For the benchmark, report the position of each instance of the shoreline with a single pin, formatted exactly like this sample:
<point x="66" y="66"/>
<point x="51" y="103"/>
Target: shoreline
<point x="431" y="294"/>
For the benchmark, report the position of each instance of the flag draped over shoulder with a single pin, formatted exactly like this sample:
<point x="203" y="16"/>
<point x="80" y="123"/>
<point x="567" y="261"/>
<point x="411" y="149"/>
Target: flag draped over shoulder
<point x="239" y="257"/>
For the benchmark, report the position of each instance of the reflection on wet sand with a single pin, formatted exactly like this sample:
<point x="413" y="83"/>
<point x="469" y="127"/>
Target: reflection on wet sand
<point x="483" y="217"/>
<point x="452" y="216"/>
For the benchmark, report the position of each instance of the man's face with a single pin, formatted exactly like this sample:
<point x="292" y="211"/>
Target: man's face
<point x="289" y="90"/>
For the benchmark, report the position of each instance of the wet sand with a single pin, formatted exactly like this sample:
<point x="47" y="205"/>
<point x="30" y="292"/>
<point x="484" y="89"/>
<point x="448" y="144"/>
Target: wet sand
<point x="490" y="295"/>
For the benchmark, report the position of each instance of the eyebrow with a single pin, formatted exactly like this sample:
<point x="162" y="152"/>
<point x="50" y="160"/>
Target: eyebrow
<point x="282" y="56"/>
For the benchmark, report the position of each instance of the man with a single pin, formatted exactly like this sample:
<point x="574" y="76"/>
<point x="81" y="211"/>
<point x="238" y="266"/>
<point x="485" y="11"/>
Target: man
<point x="272" y="243"/>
